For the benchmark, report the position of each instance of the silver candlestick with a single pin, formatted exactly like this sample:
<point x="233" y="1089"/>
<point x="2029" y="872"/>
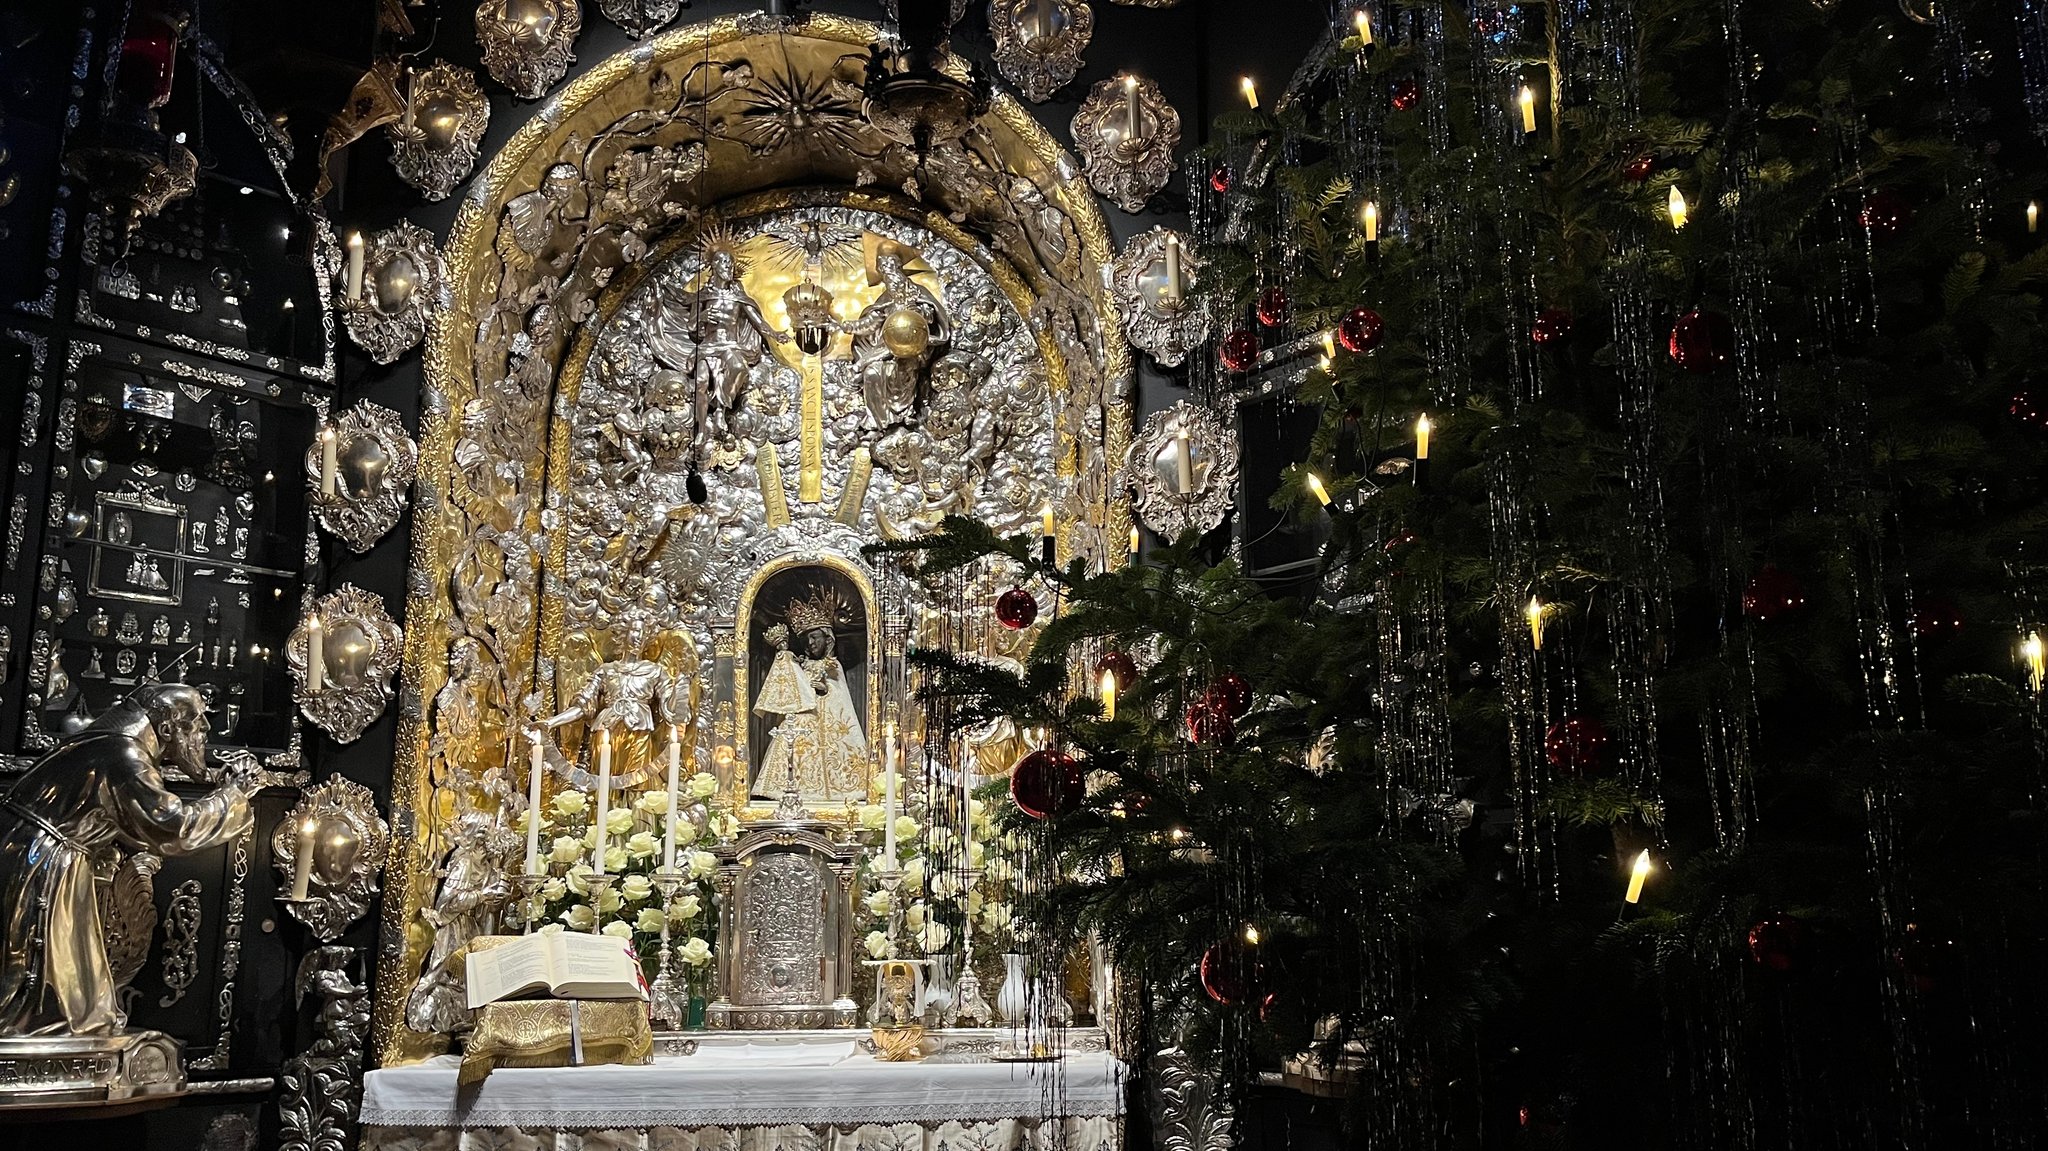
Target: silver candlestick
<point x="526" y="889"/>
<point x="668" y="1004"/>
<point x="969" y="1008"/>
<point x="596" y="886"/>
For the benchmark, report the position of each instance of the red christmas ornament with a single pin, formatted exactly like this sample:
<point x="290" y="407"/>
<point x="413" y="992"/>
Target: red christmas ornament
<point x="1577" y="744"/>
<point x="1400" y="539"/>
<point x="1361" y="330"/>
<point x="1230" y="972"/>
<point x="1772" y="595"/>
<point x="2025" y="409"/>
<point x="1119" y="665"/>
<point x="1405" y="95"/>
<point x="1219" y="179"/>
<point x="1231" y="692"/>
<point x="1702" y="341"/>
<point x="1553" y="326"/>
<point x="1885" y="214"/>
<point x="1273" y="306"/>
<point x="1640" y="168"/>
<point x="1016" y="608"/>
<point x="1210" y="723"/>
<point x="1935" y="620"/>
<point x="1777" y="942"/>
<point x="1047" y="783"/>
<point x="1239" y="351"/>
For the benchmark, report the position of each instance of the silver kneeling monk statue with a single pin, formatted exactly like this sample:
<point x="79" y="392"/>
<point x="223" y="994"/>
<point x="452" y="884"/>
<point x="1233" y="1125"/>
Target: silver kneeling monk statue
<point x="101" y="787"/>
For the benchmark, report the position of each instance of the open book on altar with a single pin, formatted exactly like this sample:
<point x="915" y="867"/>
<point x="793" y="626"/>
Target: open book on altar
<point x="557" y="964"/>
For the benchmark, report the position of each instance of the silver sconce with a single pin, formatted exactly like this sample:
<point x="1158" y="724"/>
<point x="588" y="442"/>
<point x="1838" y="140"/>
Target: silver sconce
<point x="359" y="471"/>
<point x="386" y="283"/>
<point x="1039" y="42"/>
<point x="434" y="144"/>
<point x="328" y="850"/>
<point x="639" y="17"/>
<point x="1127" y="132"/>
<point x="526" y="42"/>
<point x="1155" y="281"/>
<point x="342" y="658"/>
<point x="1182" y="470"/>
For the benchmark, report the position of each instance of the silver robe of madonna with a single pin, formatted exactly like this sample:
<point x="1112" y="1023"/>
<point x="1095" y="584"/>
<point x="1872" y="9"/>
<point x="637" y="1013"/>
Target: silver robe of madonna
<point x="102" y="787"/>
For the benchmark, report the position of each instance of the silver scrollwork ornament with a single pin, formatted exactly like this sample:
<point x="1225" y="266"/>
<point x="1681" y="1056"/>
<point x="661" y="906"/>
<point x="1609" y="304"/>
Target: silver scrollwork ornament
<point x="359" y="651"/>
<point x="1182" y="470"/>
<point x="1155" y="282"/>
<point x="1039" y="42"/>
<point x="374" y="464"/>
<point x="526" y="42"/>
<point x="402" y="271"/>
<point x="337" y="837"/>
<point x="1127" y="132"/>
<point x="639" y="17"/>
<point x="434" y="145"/>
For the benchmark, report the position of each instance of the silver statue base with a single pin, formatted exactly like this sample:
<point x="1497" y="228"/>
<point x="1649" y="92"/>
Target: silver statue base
<point x="68" y="1070"/>
<point x="781" y="1017"/>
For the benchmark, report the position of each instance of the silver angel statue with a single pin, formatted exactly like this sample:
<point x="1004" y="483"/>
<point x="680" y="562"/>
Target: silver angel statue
<point x="717" y="334"/>
<point x="100" y="789"/>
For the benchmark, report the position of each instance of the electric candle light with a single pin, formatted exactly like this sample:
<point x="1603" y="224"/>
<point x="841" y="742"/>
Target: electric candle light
<point x="1251" y="92"/>
<point x="1534" y="612"/>
<point x="1637" y="875"/>
<point x="604" y="795"/>
<point x="316" y="654"/>
<point x="1045" y="533"/>
<point x="1316" y="489"/>
<point x="2036" y="655"/>
<point x="1251" y="934"/>
<point x="1108" y="695"/>
<point x="330" y="466"/>
<point x="1131" y="108"/>
<point x="535" y="762"/>
<point x="1329" y="346"/>
<point x="1134" y="539"/>
<point x="1174" y="288"/>
<point x="1422" y="429"/>
<point x="2033" y="216"/>
<point x="302" y="863"/>
<point x="1679" y="211"/>
<point x="668" y="834"/>
<point x="353" y="286"/>
<point x="1527" y="99"/>
<point x="1363" y="20"/>
<point x="1372" y="222"/>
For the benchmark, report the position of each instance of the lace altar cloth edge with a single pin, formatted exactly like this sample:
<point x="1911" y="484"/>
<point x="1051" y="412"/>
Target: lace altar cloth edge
<point x="673" y="1093"/>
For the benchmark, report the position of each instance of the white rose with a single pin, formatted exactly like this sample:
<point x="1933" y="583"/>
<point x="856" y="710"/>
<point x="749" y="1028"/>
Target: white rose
<point x="703" y="785"/>
<point x="551" y="929"/>
<point x="906" y="827"/>
<point x="589" y="840"/>
<point x="696" y="952"/>
<point x="525" y="818"/>
<point x="636" y="887"/>
<point x="685" y="909"/>
<point x="567" y="849"/>
<point x="610" y="901"/>
<point x="553" y="889"/>
<point x="570" y="804"/>
<point x="615" y="859"/>
<point x="934" y="937"/>
<point x="618" y="929"/>
<point x="877" y="944"/>
<point x="1011" y="842"/>
<point x="653" y="802"/>
<point x="619" y="820"/>
<point x="913" y="873"/>
<point x="726" y="827"/>
<point x="878" y="903"/>
<point x="975" y="852"/>
<point x="999" y="870"/>
<point x="580" y="917"/>
<point x="913" y="916"/>
<point x="702" y="863"/>
<point x="576" y="877"/>
<point x="996" y="916"/>
<point x="938" y="838"/>
<point x="945" y="885"/>
<point x="973" y="901"/>
<point x="641" y="845"/>
<point x="649" y="921"/>
<point x="872" y="817"/>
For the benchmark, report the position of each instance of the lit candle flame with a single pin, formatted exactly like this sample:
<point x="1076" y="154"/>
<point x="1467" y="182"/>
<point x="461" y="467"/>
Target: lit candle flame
<point x="2036" y="655"/>
<point x="1316" y="489"/>
<point x="1637" y="875"/>
<point x="1372" y="222"/>
<point x="2033" y="216"/>
<point x="1364" y="22"/>
<point x="1534" y="613"/>
<point x="1422" y="430"/>
<point x="1108" y="694"/>
<point x="1527" y="99"/>
<point x="1251" y="92"/>
<point x="1251" y="934"/>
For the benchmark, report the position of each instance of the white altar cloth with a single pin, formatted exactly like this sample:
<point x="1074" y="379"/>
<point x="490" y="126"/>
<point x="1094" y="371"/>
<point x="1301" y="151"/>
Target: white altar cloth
<point x="723" y="1091"/>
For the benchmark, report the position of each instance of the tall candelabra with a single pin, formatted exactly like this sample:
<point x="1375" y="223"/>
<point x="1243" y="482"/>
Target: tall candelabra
<point x="668" y="1004"/>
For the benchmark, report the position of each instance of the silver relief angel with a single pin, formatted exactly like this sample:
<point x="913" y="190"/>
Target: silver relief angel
<point x="637" y="701"/>
<point x="897" y="336"/>
<point x="716" y="333"/>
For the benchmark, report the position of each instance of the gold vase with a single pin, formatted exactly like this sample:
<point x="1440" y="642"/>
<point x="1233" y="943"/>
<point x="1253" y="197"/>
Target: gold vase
<point x="904" y="1044"/>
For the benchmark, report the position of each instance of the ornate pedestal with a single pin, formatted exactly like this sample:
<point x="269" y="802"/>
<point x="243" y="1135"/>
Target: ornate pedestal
<point x="785" y="894"/>
<point x="62" y="1070"/>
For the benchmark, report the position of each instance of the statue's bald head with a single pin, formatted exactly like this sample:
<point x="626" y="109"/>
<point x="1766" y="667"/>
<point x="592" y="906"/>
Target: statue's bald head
<point x="177" y="712"/>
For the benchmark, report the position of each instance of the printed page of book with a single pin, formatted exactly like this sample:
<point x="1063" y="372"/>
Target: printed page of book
<point x="594" y="967"/>
<point x="512" y="969"/>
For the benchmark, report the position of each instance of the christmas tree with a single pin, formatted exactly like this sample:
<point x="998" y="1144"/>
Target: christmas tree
<point x="1656" y="759"/>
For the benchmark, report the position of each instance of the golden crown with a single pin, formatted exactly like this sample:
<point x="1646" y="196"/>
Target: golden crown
<point x="823" y="609"/>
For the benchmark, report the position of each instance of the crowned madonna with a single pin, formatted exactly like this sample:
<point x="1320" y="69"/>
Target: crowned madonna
<point x="818" y="744"/>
